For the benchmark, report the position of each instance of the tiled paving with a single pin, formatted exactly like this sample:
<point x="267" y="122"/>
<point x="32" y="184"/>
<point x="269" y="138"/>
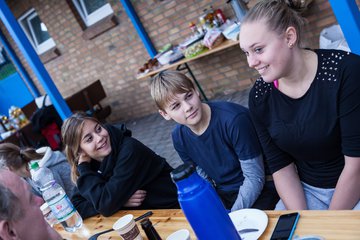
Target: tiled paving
<point x="155" y="132"/>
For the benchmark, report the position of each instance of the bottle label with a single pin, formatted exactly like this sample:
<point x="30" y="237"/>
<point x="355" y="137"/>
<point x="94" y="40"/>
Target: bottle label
<point x="62" y="208"/>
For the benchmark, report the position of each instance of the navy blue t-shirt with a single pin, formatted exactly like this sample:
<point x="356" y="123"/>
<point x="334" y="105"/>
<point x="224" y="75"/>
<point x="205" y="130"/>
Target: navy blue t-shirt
<point x="230" y="137"/>
<point x="316" y="130"/>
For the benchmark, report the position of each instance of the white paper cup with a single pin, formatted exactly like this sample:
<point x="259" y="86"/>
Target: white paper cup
<point x="127" y="228"/>
<point x="48" y="215"/>
<point x="182" y="234"/>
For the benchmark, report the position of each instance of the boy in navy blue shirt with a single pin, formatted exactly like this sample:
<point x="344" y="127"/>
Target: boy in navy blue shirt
<point x="217" y="137"/>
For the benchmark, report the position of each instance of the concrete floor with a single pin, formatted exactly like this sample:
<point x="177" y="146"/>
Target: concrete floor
<point x="155" y="132"/>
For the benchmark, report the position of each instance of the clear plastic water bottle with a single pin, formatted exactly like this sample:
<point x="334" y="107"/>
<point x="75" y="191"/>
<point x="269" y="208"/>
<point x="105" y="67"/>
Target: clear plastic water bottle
<point x="56" y="198"/>
<point x="202" y="206"/>
<point x="62" y="207"/>
<point x="42" y="176"/>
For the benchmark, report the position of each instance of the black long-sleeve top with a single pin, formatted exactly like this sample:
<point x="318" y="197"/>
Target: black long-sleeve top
<point x="104" y="187"/>
<point x="316" y="130"/>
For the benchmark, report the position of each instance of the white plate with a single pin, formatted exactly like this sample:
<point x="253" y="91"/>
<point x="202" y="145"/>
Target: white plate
<point x="249" y="218"/>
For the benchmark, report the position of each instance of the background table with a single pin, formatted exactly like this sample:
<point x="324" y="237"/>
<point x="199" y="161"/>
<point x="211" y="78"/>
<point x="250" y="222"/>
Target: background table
<point x="178" y="65"/>
<point x="328" y="224"/>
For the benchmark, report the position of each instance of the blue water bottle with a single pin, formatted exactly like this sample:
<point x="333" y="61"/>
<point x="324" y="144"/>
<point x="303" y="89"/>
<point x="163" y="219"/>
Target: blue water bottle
<point x="202" y="206"/>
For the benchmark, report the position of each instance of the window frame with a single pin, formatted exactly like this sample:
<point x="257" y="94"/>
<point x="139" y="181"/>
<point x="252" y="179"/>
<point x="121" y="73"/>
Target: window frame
<point x="39" y="48"/>
<point x="90" y="19"/>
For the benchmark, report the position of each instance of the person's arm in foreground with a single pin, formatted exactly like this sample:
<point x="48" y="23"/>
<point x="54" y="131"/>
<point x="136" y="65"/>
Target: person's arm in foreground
<point x="347" y="191"/>
<point x="282" y="167"/>
<point x="53" y="235"/>
<point x="254" y="179"/>
<point x="289" y="188"/>
<point x="86" y="209"/>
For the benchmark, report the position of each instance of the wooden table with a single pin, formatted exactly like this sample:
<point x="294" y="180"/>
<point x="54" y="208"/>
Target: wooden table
<point x="226" y="44"/>
<point x="177" y="65"/>
<point x="328" y="224"/>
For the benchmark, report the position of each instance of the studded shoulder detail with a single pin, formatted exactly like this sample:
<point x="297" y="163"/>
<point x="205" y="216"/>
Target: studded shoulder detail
<point x="261" y="88"/>
<point x="329" y="65"/>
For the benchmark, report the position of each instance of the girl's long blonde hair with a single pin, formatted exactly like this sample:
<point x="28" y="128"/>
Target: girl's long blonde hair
<point x="71" y="131"/>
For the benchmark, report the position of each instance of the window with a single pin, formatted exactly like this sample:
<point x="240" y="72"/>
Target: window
<point x="36" y="32"/>
<point x="92" y="11"/>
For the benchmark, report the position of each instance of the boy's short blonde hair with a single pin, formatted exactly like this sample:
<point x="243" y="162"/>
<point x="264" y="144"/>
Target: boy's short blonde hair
<point x="166" y="84"/>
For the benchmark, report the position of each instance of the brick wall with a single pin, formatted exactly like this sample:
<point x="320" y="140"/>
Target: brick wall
<point x="115" y="55"/>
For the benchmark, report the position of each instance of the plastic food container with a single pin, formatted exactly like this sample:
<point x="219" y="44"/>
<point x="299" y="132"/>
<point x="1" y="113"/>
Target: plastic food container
<point x="164" y="58"/>
<point x="232" y="32"/>
<point x="194" y="49"/>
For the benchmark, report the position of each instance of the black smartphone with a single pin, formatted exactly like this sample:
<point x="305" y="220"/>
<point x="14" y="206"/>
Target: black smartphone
<point x="285" y="226"/>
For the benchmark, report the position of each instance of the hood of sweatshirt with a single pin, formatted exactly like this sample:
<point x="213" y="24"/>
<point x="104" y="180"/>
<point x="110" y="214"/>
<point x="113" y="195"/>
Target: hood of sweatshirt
<point x="116" y="139"/>
<point x="50" y="158"/>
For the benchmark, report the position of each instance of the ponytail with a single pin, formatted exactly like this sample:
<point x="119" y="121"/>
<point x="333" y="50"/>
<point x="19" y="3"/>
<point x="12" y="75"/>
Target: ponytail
<point x="15" y="158"/>
<point x="279" y="15"/>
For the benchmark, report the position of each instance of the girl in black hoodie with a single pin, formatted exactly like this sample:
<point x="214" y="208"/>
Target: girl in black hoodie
<point x="114" y="171"/>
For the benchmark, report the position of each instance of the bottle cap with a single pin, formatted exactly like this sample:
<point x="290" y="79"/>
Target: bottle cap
<point x="34" y="165"/>
<point x="183" y="171"/>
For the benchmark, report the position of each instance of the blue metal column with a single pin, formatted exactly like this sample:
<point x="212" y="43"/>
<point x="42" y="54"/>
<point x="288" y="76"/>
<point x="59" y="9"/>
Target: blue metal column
<point x="348" y="16"/>
<point x="29" y="83"/>
<point x="34" y="61"/>
<point x="139" y="27"/>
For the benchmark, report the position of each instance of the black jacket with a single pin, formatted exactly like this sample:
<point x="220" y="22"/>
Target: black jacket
<point x="104" y="187"/>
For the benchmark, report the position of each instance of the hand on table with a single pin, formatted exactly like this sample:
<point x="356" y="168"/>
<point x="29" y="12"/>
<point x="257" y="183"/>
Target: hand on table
<point x="136" y="199"/>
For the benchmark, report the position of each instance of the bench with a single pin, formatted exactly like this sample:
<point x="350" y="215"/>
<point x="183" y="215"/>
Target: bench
<point x="88" y="100"/>
<point x="29" y="109"/>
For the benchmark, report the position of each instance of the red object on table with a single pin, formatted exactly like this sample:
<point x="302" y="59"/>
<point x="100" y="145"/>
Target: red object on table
<point x="220" y="15"/>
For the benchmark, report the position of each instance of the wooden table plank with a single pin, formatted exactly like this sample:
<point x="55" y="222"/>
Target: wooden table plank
<point x="328" y="224"/>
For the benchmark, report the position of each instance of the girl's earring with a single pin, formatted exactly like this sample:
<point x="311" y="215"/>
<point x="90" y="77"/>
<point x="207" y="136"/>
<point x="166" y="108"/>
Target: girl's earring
<point x="291" y="45"/>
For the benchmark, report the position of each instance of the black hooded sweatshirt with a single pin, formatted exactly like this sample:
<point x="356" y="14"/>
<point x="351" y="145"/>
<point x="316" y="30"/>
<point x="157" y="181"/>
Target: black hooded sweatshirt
<point x="104" y="187"/>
